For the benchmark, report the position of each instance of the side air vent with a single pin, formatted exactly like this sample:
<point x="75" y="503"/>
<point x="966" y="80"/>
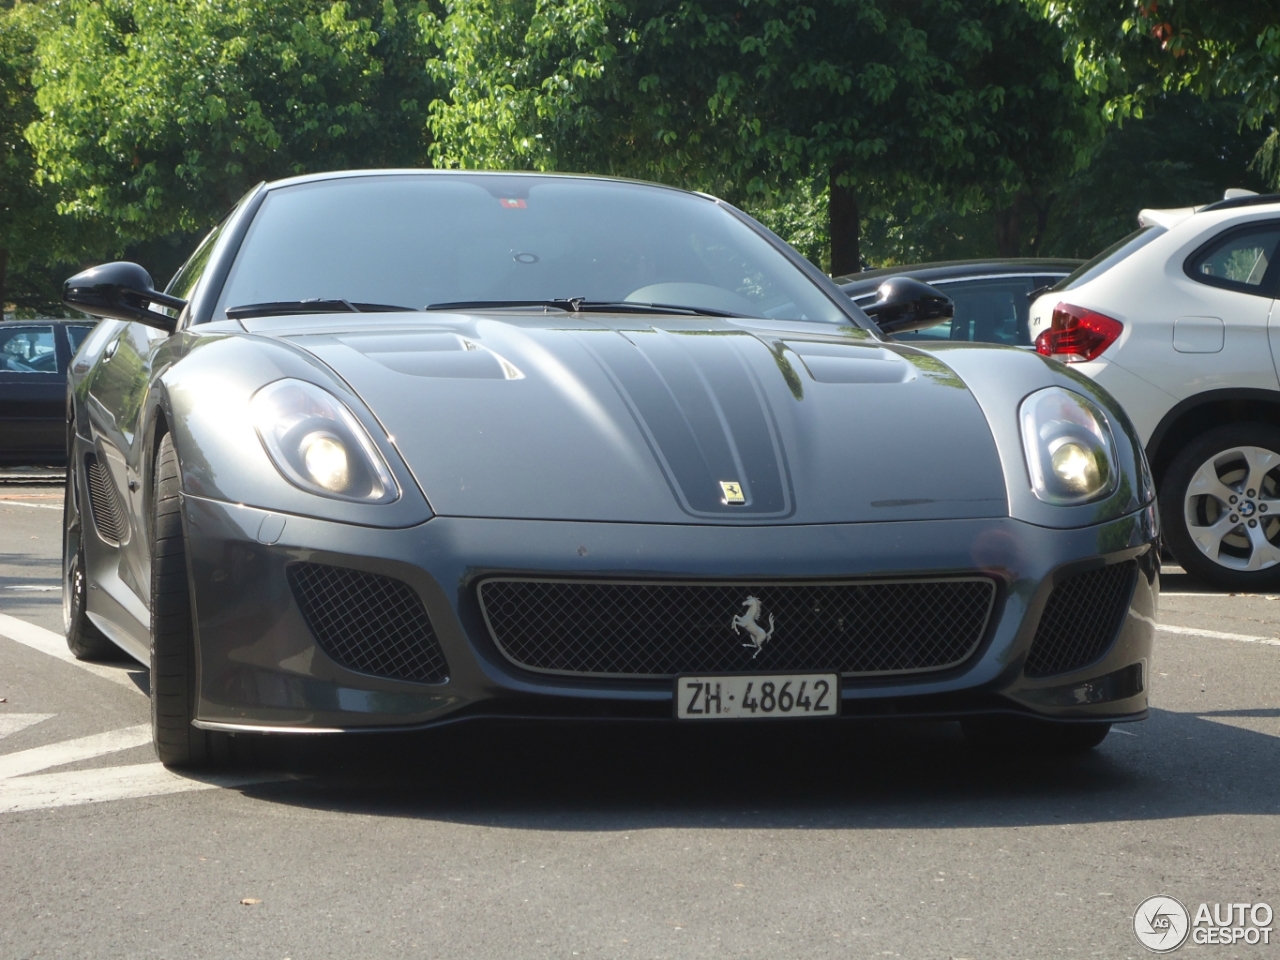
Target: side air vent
<point x="1081" y="620"/>
<point x="369" y="623"/>
<point x="108" y="516"/>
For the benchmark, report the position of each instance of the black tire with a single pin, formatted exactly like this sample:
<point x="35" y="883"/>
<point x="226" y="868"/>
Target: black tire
<point x="1031" y="737"/>
<point x="173" y="651"/>
<point x="84" y="640"/>
<point x="1177" y="510"/>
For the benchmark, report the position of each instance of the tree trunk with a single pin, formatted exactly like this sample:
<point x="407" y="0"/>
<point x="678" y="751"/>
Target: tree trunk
<point x="1009" y="230"/>
<point x="843" y="222"/>
<point x="4" y="276"/>
<point x="1012" y="222"/>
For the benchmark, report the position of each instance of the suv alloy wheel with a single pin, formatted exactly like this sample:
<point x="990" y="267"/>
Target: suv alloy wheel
<point x="1220" y="506"/>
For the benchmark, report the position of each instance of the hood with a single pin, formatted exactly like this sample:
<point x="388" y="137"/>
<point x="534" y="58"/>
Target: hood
<point x="664" y="420"/>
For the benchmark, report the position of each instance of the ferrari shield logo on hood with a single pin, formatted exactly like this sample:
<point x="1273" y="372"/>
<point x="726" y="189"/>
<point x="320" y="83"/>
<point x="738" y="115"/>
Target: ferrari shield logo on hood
<point x="732" y="492"/>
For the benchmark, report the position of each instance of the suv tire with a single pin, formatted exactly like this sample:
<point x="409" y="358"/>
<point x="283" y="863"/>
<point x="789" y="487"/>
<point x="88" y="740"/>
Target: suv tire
<point x="1220" y="507"/>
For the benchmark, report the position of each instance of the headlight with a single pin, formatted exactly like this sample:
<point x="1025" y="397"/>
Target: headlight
<point x="316" y="442"/>
<point x="1070" y="452"/>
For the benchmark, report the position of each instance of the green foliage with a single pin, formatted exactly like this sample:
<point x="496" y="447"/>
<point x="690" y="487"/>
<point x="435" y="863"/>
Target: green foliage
<point x="31" y="233"/>
<point x="951" y="128"/>
<point x="758" y="100"/>
<point x="156" y="115"/>
<point x="1184" y="152"/>
<point x="799" y="216"/>
<point x="1214" y="48"/>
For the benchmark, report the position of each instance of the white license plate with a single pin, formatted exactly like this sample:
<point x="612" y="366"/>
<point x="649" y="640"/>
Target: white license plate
<point x="758" y="696"/>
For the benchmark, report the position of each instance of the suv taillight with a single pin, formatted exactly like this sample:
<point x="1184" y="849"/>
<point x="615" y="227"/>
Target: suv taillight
<point x="1076" y="334"/>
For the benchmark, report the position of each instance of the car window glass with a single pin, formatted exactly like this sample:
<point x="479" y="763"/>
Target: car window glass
<point x="1240" y="260"/>
<point x="1109" y="257"/>
<point x="188" y="275"/>
<point x="413" y="241"/>
<point x="76" y="332"/>
<point x="987" y="311"/>
<point x="28" y="350"/>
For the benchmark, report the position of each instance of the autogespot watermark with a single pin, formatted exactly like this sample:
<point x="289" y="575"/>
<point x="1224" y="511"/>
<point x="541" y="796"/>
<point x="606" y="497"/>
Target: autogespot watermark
<point x="1162" y="924"/>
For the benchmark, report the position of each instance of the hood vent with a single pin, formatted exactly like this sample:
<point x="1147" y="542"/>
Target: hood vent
<point x="446" y="355"/>
<point x="841" y="363"/>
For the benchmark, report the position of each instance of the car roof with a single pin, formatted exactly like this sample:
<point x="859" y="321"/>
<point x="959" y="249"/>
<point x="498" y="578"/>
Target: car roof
<point x="868" y="280"/>
<point x="431" y="172"/>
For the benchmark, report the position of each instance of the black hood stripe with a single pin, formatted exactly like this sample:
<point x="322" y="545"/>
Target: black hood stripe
<point x="704" y="414"/>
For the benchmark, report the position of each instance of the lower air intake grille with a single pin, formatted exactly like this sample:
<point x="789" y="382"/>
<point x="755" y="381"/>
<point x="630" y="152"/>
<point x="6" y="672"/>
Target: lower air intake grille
<point x="1081" y="619"/>
<point x="662" y="629"/>
<point x="367" y="622"/>
<point x="107" y="515"/>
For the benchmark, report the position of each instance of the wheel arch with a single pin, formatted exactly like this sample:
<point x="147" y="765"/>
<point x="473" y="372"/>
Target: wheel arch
<point x="159" y="424"/>
<point x="1203" y="412"/>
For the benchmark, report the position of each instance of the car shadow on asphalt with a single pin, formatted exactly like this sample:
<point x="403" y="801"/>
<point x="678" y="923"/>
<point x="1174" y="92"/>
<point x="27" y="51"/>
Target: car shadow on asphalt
<point x="1176" y="580"/>
<point x="777" y="775"/>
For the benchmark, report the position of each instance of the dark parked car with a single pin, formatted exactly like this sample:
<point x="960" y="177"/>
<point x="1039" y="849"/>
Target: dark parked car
<point x="992" y="297"/>
<point x="406" y="448"/>
<point x="34" y="357"/>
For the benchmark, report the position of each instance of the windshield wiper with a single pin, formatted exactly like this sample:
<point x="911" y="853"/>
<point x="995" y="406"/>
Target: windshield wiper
<point x="279" y="308"/>
<point x="579" y="305"/>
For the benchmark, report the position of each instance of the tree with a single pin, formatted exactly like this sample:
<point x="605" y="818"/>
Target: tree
<point x="964" y="103"/>
<point x="156" y="115"/>
<point x="1183" y="152"/>
<point x="31" y="233"/>
<point x="1214" y="48"/>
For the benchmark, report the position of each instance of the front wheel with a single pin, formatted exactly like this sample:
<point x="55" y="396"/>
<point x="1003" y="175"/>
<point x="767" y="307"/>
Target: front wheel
<point x="1220" y="507"/>
<point x="173" y="650"/>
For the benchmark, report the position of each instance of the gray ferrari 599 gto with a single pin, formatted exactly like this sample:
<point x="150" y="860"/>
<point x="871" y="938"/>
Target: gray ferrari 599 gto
<point x="402" y="448"/>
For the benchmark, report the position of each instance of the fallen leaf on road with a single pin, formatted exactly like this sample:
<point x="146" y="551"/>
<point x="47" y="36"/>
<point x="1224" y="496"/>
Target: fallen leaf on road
<point x="249" y="901"/>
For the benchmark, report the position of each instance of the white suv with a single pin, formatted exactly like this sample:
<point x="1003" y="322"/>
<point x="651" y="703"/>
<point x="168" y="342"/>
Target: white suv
<point x="1178" y="321"/>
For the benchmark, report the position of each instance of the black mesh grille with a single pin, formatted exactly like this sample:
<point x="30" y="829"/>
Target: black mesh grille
<point x="1081" y="619"/>
<point x="107" y="515"/>
<point x="659" y="630"/>
<point x="368" y="622"/>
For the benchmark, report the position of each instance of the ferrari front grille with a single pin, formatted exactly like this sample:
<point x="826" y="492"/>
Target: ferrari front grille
<point x="367" y="622"/>
<point x="655" y="629"/>
<point x="104" y="504"/>
<point x="1081" y="619"/>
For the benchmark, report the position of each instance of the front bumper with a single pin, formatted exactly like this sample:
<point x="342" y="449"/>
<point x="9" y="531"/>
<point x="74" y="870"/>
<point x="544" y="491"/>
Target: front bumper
<point x="260" y="668"/>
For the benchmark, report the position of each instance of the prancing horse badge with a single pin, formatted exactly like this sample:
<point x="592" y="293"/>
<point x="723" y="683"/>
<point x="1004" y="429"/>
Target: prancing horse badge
<point x="732" y="493"/>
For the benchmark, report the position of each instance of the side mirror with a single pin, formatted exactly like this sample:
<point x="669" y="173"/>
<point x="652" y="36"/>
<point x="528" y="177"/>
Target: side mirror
<point x="121" y="291"/>
<point x="903" y="304"/>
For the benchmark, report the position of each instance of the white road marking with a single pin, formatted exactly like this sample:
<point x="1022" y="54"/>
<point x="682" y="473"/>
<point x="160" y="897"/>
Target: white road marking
<point x="40" y="506"/>
<point x="1203" y="594"/>
<point x="11" y="723"/>
<point x="72" y="751"/>
<point x="1218" y="635"/>
<point x="21" y="791"/>
<point x="38" y="587"/>
<point x="110" y="783"/>
<point x="55" y="645"/>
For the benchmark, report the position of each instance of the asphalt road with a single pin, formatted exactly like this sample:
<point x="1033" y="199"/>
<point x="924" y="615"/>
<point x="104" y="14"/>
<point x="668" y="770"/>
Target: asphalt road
<point x="553" y="841"/>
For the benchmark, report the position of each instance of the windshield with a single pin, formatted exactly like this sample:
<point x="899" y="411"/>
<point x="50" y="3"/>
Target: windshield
<point x="1108" y="258"/>
<point x="451" y="238"/>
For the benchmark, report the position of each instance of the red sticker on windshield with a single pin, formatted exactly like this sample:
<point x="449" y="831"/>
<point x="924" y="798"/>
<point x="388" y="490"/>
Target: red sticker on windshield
<point x="513" y="204"/>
